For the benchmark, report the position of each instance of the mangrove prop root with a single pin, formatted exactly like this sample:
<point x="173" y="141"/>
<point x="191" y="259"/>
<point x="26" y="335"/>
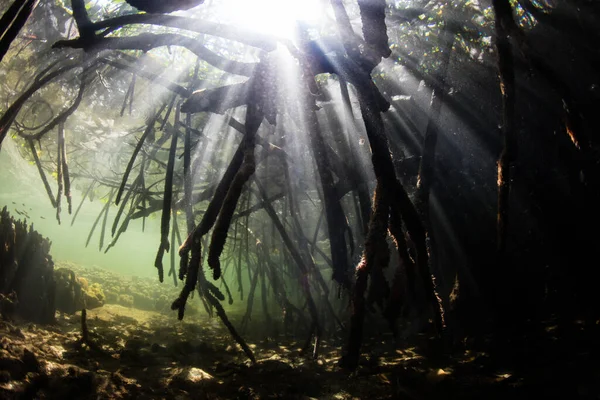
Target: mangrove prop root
<point x="250" y="302"/>
<point x="187" y="178"/>
<point x="38" y="164"/>
<point x="404" y="276"/>
<point x="375" y="256"/>
<point x="193" y="273"/>
<point x="229" y="296"/>
<point x="205" y="304"/>
<point x="190" y="266"/>
<point x="147" y="132"/>
<point x="59" y="178"/>
<point x="105" y="210"/>
<point x="308" y="340"/>
<point x="223" y="316"/>
<point x="135" y="202"/>
<point x="316" y="346"/>
<point x="85" y="195"/>
<point x="402" y="204"/>
<point x="85" y="334"/>
<point x="167" y="199"/>
<point x="175" y="235"/>
<point x="379" y="290"/>
<point x="253" y="120"/>
<point x="172" y="269"/>
<point x="503" y="21"/>
<point x="183" y="266"/>
<point x="302" y="269"/>
<point x="334" y="213"/>
<point x="303" y="243"/>
<point x="272" y="272"/>
<point x="106" y="206"/>
<point x="131" y="190"/>
<point x="65" y="168"/>
<point x="214" y="290"/>
<point x="239" y="256"/>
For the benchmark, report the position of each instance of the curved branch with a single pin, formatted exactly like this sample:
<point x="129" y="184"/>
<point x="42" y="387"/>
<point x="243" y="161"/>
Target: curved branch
<point x="149" y="41"/>
<point x="217" y="100"/>
<point x="190" y="24"/>
<point x="180" y="90"/>
<point x="60" y="118"/>
<point x="11" y="113"/>
<point x="164" y="6"/>
<point x="35" y="102"/>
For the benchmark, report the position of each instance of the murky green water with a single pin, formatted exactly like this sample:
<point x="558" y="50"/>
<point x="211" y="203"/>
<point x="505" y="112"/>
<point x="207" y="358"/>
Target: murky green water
<point x="24" y="195"/>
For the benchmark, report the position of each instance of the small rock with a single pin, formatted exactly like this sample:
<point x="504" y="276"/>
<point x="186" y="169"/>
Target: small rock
<point x="189" y="378"/>
<point x="135" y="344"/>
<point x="155" y="348"/>
<point x="17" y="332"/>
<point x="4" y="376"/>
<point x="30" y="361"/>
<point x="13" y="365"/>
<point x="230" y="349"/>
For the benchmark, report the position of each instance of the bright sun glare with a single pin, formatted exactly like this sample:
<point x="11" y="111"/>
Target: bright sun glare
<point x="271" y="17"/>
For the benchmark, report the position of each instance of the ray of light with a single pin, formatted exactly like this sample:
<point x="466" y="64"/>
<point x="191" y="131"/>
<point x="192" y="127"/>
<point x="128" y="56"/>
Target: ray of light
<point x="273" y="17"/>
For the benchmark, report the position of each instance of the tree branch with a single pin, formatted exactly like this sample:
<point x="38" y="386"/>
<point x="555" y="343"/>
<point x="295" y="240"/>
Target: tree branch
<point x="190" y="24"/>
<point x="149" y="41"/>
<point x="11" y="113"/>
<point x="157" y="79"/>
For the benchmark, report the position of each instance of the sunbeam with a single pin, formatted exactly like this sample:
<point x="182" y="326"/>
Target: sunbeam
<point x="273" y="17"/>
<point x="360" y="199"/>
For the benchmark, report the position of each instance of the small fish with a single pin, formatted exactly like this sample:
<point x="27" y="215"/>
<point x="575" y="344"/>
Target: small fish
<point x="42" y="217"/>
<point x="23" y="213"/>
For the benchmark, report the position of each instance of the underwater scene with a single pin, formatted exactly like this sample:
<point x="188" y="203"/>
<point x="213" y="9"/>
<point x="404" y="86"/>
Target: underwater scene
<point x="285" y="199"/>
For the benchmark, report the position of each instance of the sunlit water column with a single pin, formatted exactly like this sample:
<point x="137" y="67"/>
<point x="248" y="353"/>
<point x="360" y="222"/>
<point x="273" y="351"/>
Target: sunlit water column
<point x="24" y="195"/>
